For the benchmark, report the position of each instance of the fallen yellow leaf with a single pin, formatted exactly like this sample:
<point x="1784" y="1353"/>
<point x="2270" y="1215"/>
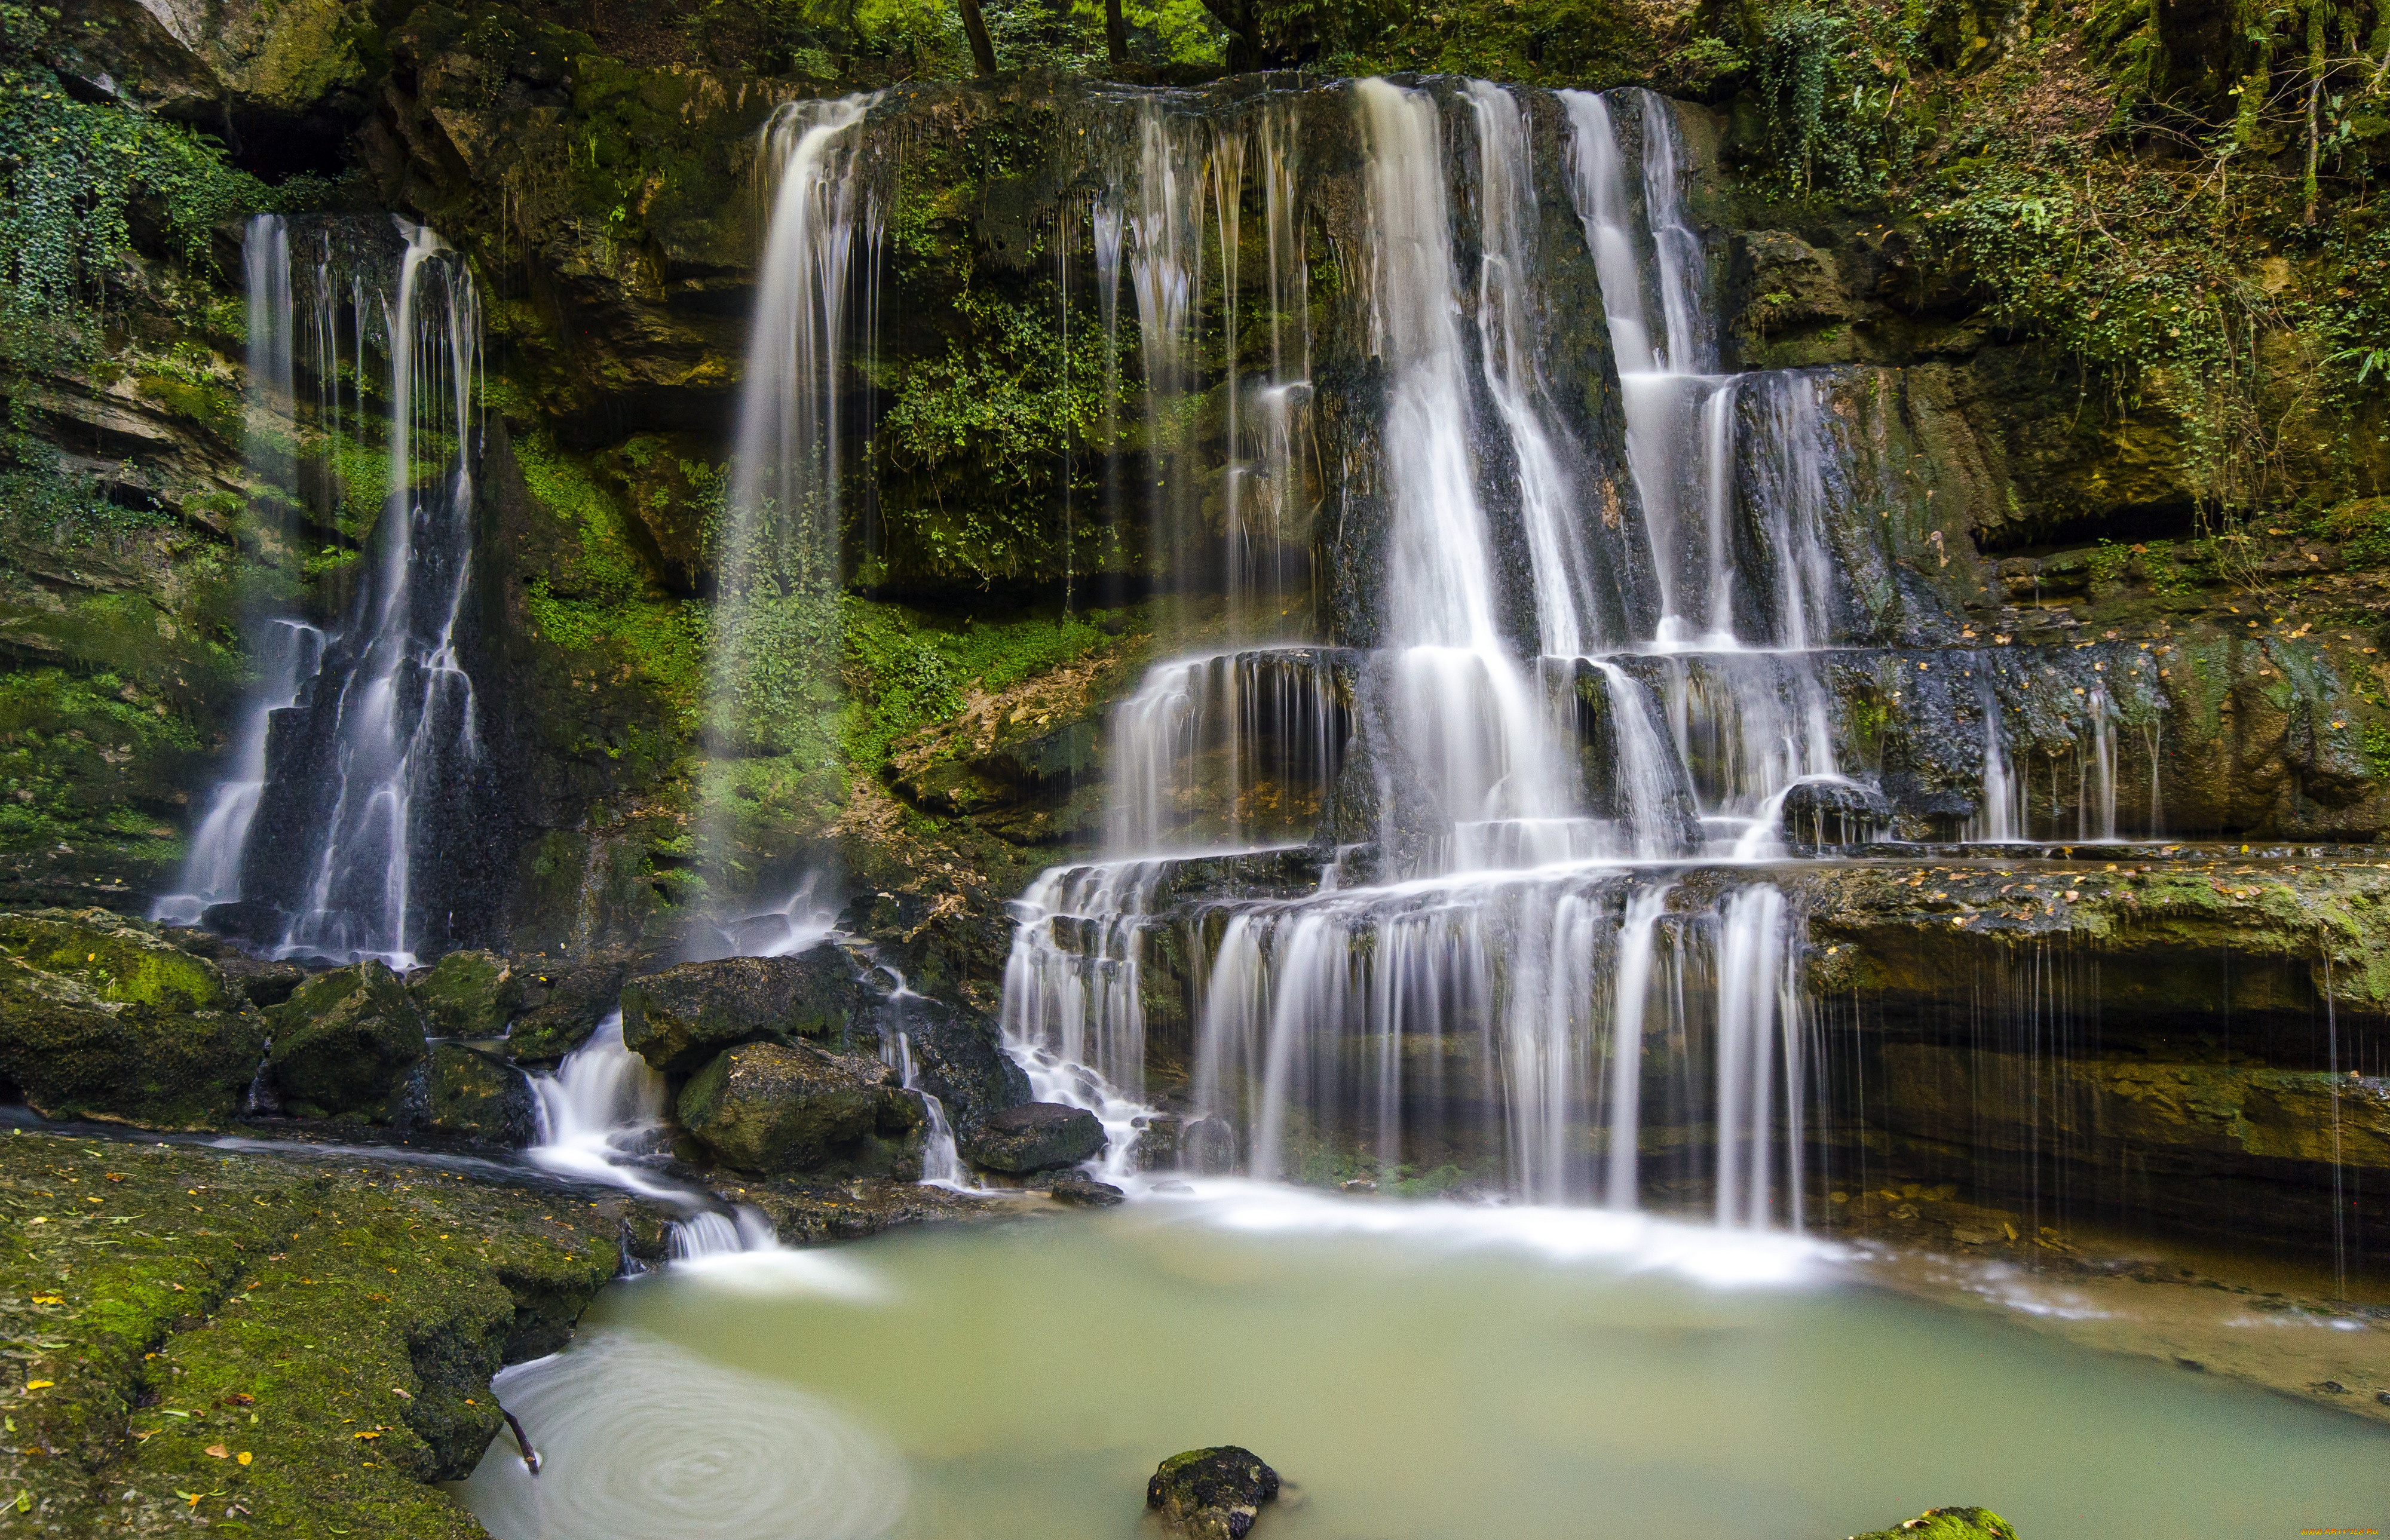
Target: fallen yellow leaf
<point x="39" y="1384"/>
<point x="366" y="1436"/>
<point x="242" y="1456"/>
<point x="217" y="1451"/>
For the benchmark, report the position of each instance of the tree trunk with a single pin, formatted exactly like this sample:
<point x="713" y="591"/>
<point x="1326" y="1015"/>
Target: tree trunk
<point x="1116" y="33"/>
<point x="975" y="26"/>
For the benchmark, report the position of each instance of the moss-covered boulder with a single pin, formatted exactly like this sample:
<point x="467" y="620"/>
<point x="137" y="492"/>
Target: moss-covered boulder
<point x="769" y="1108"/>
<point x="467" y="994"/>
<point x="1211" y="1493"/>
<point x="125" y="961"/>
<point x="344" y="1042"/>
<point x="562" y="1006"/>
<point x="1947" y="1524"/>
<point x="100" y="1018"/>
<point x="245" y="1317"/>
<point x="1035" y="1135"/>
<point x="680" y="1017"/>
<point x="464" y="1093"/>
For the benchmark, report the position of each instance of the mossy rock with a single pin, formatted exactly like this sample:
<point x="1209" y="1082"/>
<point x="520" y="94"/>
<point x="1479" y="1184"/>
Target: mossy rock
<point x="680" y="1017"/>
<point x="562" y="1007"/>
<point x="1947" y="1524"/>
<point x="344" y="1040"/>
<point x="467" y="994"/>
<point x="771" y="1108"/>
<point x="215" y="1304"/>
<point x="1211" y="1493"/>
<point x="123" y="961"/>
<point x="467" y="1094"/>
<point x="71" y="1052"/>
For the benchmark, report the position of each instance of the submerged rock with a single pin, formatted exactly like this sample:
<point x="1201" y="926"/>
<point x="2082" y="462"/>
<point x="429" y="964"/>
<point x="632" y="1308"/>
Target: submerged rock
<point x="1211" y="1493"/>
<point x="101" y="1017"/>
<point x="1947" y="1524"/>
<point x="1035" y="1135"/>
<point x="467" y="994"/>
<point x="343" y="1042"/>
<point x="773" y="1108"/>
<point x="678" y="1019"/>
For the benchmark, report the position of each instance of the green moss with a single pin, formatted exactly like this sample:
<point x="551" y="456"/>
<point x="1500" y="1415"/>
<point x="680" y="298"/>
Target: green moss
<point x="337" y="1326"/>
<point x="1948" y="1523"/>
<point x="117" y="961"/>
<point x="603" y="596"/>
<point x="74" y="748"/>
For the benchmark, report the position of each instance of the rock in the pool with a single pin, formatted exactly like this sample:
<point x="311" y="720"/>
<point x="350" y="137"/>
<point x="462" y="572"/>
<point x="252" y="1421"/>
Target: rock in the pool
<point x="1081" y="1191"/>
<point x="1947" y="1524"/>
<point x="1211" y="1493"/>
<point x="1035" y="1135"/>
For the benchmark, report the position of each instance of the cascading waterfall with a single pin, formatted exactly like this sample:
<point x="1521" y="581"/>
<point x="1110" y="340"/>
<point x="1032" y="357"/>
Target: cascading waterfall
<point x="285" y="651"/>
<point x="357" y="775"/>
<point x="778" y="561"/>
<point x="1480" y="998"/>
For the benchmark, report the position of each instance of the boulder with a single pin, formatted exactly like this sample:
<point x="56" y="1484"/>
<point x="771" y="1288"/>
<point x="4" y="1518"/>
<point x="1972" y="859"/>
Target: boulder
<point x="467" y="994"/>
<point x="264" y="981"/>
<point x="768" y="1108"/>
<point x="344" y="1040"/>
<point x="957" y="1056"/>
<point x="100" y="1018"/>
<point x="1081" y="1191"/>
<point x="125" y="960"/>
<point x="1947" y="1524"/>
<point x="562" y="1007"/>
<point x="1211" y="1493"/>
<point x="465" y="1092"/>
<point x="679" y="1019"/>
<point x="1035" y="1135"/>
<point x="251" y="921"/>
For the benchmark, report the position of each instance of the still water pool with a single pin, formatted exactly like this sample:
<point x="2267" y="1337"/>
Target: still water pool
<point x="1414" y="1370"/>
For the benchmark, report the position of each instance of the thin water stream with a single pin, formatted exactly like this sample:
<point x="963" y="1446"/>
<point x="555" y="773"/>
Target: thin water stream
<point x="1414" y="1370"/>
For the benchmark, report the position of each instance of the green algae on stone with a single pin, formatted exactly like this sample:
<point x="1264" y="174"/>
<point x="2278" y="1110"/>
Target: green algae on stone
<point x="338" y="1324"/>
<point x="344" y="1040"/>
<point x="467" y="994"/>
<point x="101" y="1017"/>
<point x="1947" y="1524"/>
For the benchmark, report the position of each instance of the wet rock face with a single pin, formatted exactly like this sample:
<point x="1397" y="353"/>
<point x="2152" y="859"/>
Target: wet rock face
<point x="678" y="1019"/>
<point x="1037" y="1135"/>
<point x="100" y="1018"/>
<point x="775" y="1107"/>
<point x="467" y="994"/>
<point x="344" y="1042"/>
<point x="466" y="1093"/>
<point x="1211" y="1493"/>
<point x="958" y="1057"/>
<point x="562" y="1007"/>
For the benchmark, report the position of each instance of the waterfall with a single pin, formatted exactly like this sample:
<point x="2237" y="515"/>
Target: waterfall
<point x="373" y="779"/>
<point x="1474" y="994"/>
<point x="2000" y="815"/>
<point x="1481" y="740"/>
<point x="597" y="1113"/>
<point x="283" y="651"/>
<point x="778" y="560"/>
<point x="1511" y="359"/>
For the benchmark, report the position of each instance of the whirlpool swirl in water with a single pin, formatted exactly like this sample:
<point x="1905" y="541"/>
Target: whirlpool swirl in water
<point x="637" y="1438"/>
